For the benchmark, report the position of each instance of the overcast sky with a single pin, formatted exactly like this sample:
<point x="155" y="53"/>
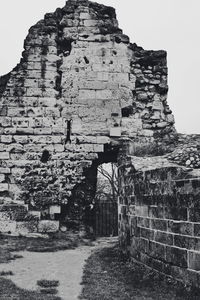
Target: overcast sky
<point x="172" y="25"/>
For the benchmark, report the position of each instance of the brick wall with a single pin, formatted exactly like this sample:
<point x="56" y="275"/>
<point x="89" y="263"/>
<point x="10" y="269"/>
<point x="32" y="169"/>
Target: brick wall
<point x="159" y="219"/>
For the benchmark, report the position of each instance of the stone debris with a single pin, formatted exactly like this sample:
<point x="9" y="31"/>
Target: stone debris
<point x="188" y="156"/>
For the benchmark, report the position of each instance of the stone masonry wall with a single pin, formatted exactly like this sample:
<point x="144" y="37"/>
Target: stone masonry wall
<point x="159" y="217"/>
<point x="80" y="88"/>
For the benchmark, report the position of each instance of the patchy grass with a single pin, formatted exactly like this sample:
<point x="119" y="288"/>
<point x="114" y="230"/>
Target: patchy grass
<point x="6" y="273"/>
<point x="55" y="242"/>
<point x="8" y="290"/>
<point x="49" y="291"/>
<point x="107" y="276"/>
<point x="48" y="283"/>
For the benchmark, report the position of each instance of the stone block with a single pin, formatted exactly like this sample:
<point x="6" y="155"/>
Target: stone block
<point x="2" y="178"/>
<point x="164" y="238"/>
<point x="47" y="102"/>
<point x="159" y="224"/>
<point x="54" y="209"/>
<point x="91" y="23"/>
<point x="35" y="111"/>
<point x="194" y="260"/>
<point x="157" y="250"/>
<point x="24" y="131"/>
<point x="141" y="211"/>
<point x="4" y="216"/>
<point x="5" y="121"/>
<point x="98" y="148"/>
<point x="147" y="233"/>
<point x="102" y="140"/>
<point x="9" y="130"/>
<point x="26" y="227"/>
<point x="197" y="229"/>
<point x="185" y="228"/>
<point x="92" y="85"/>
<point x="194" y="216"/>
<point x="157" y="105"/>
<point x="5" y="170"/>
<point x="115" y="131"/>
<point x="6" y="139"/>
<point x="87" y="94"/>
<point x="58" y="130"/>
<point x="32" y="82"/>
<point x="4" y="155"/>
<point x="85" y="16"/>
<point x="46" y="226"/>
<point x="143" y="222"/>
<point x="16" y="112"/>
<point x="34" y="91"/>
<point x="8" y="226"/>
<point x="4" y="187"/>
<point x="176" y="256"/>
<point x="20" y="139"/>
<point x="43" y="131"/>
<point x="176" y="213"/>
<point x="52" y="112"/>
<point x="161" y="125"/>
<point x="191" y="243"/>
<point x="142" y="97"/>
<point x="59" y="148"/>
<point x="35" y="213"/>
<point x="104" y="94"/>
<point x="50" y="92"/>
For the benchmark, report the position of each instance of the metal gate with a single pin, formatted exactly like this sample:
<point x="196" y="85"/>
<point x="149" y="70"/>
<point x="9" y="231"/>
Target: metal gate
<point x="106" y="219"/>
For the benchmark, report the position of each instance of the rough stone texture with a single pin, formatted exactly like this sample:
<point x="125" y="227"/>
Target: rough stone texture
<point x="187" y="152"/>
<point x="46" y="226"/>
<point x="81" y="93"/>
<point x="159" y="216"/>
<point x="80" y="88"/>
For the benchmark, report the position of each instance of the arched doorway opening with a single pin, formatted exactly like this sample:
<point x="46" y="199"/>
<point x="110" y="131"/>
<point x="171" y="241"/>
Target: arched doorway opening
<point x="86" y="207"/>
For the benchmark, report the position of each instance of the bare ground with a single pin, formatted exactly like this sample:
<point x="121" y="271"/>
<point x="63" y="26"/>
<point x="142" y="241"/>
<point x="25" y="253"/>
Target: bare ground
<point x="30" y="267"/>
<point x="55" y="273"/>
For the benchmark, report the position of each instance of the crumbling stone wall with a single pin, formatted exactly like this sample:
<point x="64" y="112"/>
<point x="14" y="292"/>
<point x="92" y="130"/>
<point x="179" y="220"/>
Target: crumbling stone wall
<point x="80" y="92"/>
<point x="159" y="216"/>
<point x="80" y="88"/>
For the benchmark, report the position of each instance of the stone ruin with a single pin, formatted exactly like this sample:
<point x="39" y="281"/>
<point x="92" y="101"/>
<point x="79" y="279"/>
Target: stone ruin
<point x="83" y="95"/>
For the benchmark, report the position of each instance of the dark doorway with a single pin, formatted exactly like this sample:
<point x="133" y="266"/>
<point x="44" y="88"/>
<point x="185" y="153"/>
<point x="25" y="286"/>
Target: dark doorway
<point x="106" y="219"/>
<point x="105" y="206"/>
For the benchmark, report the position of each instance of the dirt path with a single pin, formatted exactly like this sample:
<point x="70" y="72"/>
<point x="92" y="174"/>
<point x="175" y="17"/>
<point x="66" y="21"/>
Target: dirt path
<point x="65" y="266"/>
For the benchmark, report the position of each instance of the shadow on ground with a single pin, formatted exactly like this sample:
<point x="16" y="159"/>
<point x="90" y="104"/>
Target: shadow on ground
<point x="109" y="276"/>
<point x="9" y="247"/>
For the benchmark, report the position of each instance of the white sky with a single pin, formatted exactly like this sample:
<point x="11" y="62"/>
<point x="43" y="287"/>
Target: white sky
<point x="172" y="25"/>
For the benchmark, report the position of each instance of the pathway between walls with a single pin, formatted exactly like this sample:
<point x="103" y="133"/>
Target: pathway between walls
<point x="65" y="266"/>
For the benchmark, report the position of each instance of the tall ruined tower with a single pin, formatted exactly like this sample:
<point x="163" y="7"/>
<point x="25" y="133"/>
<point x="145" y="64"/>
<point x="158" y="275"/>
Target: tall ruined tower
<point x="80" y="90"/>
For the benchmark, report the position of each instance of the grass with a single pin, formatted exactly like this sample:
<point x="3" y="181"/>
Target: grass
<point x="48" y="287"/>
<point x="55" y="242"/>
<point x="9" y="291"/>
<point x="48" y="283"/>
<point x="6" y="273"/>
<point x="108" y="276"/>
<point x="49" y="291"/>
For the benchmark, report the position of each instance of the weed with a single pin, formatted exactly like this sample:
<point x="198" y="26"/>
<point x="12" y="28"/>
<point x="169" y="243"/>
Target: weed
<point x="6" y="273"/>
<point x="49" y="291"/>
<point x="48" y="283"/>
